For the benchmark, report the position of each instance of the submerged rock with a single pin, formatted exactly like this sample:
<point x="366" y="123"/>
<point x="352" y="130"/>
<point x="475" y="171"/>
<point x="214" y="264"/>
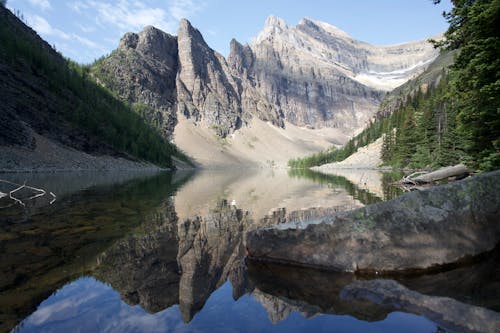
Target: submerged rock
<point x="447" y="312"/>
<point x="416" y="231"/>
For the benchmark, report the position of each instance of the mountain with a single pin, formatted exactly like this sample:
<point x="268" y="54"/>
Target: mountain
<point x="293" y="90"/>
<point x="319" y="76"/>
<point x="53" y="116"/>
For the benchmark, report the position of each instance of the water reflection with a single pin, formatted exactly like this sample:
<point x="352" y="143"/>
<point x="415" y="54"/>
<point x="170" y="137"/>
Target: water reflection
<point x="166" y="253"/>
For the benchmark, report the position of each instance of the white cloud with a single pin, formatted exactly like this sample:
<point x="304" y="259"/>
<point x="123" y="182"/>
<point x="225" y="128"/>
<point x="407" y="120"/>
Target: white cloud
<point x="131" y="15"/>
<point x="86" y="28"/>
<point x="77" y="6"/>
<point x="40" y="25"/>
<point x="42" y="4"/>
<point x="185" y="8"/>
<point x="86" y="42"/>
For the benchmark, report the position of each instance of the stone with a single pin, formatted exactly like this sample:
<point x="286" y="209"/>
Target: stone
<point x="419" y="230"/>
<point x="446" y="312"/>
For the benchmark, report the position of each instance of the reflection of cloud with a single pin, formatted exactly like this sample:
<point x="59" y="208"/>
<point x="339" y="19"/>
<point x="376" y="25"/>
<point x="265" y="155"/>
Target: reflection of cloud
<point x="42" y="4"/>
<point x="91" y="306"/>
<point x="40" y="25"/>
<point x="62" y="309"/>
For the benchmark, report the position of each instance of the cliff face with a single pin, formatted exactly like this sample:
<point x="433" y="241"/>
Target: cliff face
<point x="317" y="75"/>
<point x="207" y="91"/>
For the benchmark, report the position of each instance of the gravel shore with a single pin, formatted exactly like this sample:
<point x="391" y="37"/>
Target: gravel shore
<point x="50" y="156"/>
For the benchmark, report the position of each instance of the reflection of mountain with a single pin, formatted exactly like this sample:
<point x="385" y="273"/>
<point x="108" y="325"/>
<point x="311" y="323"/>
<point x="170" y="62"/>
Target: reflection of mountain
<point x="143" y="266"/>
<point x="45" y="248"/>
<point x="166" y="261"/>
<point x="209" y="247"/>
<point x="157" y="251"/>
<point x="259" y="192"/>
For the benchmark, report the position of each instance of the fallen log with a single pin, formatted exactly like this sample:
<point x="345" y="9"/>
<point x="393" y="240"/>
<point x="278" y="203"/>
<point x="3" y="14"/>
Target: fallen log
<point x="418" y="178"/>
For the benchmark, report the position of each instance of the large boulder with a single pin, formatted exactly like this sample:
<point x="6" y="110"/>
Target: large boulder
<point x="416" y="231"/>
<point x="446" y="312"/>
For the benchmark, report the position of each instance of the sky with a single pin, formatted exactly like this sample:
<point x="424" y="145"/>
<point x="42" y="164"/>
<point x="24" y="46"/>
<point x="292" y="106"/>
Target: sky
<point x="85" y="30"/>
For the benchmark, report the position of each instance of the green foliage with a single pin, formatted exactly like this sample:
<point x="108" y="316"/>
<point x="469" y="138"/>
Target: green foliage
<point x="3" y="3"/>
<point x="93" y="108"/>
<point x="475" y="81"/>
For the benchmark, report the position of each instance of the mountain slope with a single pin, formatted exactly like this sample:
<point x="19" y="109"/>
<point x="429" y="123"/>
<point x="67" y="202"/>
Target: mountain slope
<point x="54" y="117"/>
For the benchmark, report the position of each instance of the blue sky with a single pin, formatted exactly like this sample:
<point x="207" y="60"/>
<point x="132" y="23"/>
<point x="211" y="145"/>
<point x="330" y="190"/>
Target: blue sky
<point x="84" y="30"/>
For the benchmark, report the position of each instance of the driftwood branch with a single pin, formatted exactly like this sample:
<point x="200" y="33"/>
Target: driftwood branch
<point x="38" y="193"/>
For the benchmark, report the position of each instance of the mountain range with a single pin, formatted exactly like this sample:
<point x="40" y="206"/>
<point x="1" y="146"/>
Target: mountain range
<point x="292" y="91"/>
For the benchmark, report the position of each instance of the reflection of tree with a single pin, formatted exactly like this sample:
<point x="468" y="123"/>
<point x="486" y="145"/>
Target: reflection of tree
<point x="391" y="191"/>
<point x="366" y="197"/>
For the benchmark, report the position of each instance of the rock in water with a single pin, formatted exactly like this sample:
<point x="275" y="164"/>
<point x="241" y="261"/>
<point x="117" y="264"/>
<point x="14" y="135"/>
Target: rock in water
<point x="418" y="230"/>
<point x="445" y="311"/>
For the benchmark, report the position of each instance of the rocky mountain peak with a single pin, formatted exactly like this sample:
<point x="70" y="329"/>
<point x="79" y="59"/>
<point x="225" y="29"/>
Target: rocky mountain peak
<point x="273" y="26"/>
<point x="186" y="30"/>
<point x="322" y="27"/>
<point x="274" y="21"/>
<point x="240" y="56"/>
<point x="128" y="41"/>
<point x="206" y="90"/>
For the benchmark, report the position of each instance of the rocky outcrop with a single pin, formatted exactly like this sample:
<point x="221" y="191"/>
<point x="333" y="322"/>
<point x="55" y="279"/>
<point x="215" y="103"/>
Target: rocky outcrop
<point x="253" y="101"/>
<point x="143" y="70"/>
<point x="206" y="89"/>
<point x="416" y="231"/>
<point x="447" y="312"/>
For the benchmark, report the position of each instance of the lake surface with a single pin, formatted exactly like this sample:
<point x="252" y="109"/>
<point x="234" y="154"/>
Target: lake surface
<point x="133" y="252"/>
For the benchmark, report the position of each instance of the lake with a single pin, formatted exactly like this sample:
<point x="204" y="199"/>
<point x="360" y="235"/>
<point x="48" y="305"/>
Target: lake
<point x="163" y="252"/>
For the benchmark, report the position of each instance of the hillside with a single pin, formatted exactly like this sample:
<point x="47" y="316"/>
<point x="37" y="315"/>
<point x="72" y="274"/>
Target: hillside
<point x="54" y="117"/>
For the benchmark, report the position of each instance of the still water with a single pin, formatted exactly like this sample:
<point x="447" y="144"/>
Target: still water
<point x="129" y="252"/>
